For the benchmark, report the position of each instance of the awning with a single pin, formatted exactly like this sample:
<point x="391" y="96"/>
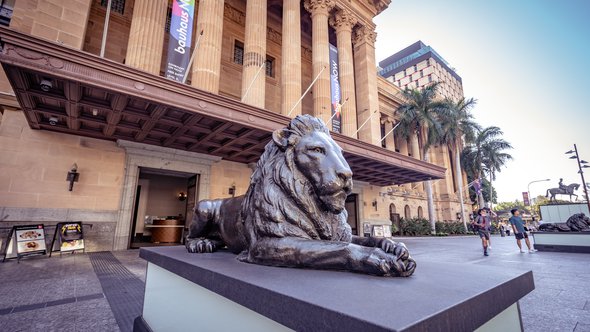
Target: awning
<point x="96" y="97"/>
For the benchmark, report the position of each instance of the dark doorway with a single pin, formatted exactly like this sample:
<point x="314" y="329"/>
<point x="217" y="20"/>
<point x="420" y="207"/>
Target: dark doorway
<point x="351" y="206"/>
<point x="163" y="207"/>
<point x="395" y="219"/>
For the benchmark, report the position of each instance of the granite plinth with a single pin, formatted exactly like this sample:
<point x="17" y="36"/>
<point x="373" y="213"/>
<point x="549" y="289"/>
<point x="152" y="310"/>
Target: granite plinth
<point x="440" y="296"/>
<point x="577" y="242"/>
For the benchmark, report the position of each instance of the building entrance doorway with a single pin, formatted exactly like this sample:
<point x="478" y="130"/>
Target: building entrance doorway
<point x="394" y="217"/>
<point x="351" y="206"/>
<point x="163" y="209"/>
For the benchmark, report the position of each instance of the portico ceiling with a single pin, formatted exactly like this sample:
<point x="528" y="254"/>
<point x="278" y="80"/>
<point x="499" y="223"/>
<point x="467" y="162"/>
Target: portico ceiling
<point x="95" y="97"/>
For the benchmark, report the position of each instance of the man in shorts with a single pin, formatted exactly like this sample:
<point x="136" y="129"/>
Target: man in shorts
<point x="482" y="224"/>
<point x="519" y="230"/>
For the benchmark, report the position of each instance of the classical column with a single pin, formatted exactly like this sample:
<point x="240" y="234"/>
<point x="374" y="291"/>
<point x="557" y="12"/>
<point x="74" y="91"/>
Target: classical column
<point x="254" y="54"/>
<point x="291" y="58"/>
<point x="415" y="147"/>
<point x="343" y="21"/>
<point x="389" y="139"/>
<point x="367" y="102"/>
<point x="146" y="37"/>
<point x="320" y="48"/>
<point x="402" y="145"/>
<point x="207" y="64"/>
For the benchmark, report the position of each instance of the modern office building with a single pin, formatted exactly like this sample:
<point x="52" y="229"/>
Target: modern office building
<point x="147" y="147"/>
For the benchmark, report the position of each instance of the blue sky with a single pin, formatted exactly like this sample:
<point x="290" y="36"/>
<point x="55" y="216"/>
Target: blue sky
<point x="528" y="64"/>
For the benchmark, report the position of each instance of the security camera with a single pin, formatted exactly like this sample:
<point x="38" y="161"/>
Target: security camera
<point x="53" y="120"/>
<point x="46" y="85"/>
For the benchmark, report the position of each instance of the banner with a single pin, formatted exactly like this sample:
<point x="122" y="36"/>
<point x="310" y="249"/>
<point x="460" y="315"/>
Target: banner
<point x="525" y="198"/>
<point x="335" y="94"/>
<point x="179" y="45"/>
<point x="71" y="236"/>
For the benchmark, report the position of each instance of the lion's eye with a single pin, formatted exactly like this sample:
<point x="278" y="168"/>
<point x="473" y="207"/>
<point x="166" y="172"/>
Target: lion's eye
<point x="317" y="149"/>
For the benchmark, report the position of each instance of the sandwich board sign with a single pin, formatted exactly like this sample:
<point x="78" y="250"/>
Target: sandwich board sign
<point x="25" y="240"/>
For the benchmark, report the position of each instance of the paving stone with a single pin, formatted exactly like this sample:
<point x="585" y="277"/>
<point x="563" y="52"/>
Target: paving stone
<point x="582" y="328"/>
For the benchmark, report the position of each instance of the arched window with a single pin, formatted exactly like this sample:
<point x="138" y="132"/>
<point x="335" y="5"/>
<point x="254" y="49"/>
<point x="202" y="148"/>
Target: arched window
<point x="407" y="213"/>
<point x="420" y="212"/>
<point x="392" y="208"/>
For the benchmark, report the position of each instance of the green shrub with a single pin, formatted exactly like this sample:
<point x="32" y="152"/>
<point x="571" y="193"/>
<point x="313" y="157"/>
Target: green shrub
<point x="415" y="226"/>
<point x="450" y="227"/>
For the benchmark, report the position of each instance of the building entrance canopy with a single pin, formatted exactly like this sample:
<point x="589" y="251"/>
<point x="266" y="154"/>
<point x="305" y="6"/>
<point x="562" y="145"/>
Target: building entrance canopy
<point x="74" y="92"/>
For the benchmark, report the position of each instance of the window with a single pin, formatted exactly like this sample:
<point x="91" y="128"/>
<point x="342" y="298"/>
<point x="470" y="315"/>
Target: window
<point x="429" y="78"/>
<point x="117" y="6"/>
<point x="269" y="67"/>
<point x="407" y="214"/>
<point x="238" y="53"/>
<point x="6" y="8"/>
<point x="168" y="19"/>
<point x="420" y="212"/>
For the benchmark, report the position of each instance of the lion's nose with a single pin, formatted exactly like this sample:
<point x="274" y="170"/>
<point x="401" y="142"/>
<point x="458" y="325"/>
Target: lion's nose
<point x="345" y="174"/>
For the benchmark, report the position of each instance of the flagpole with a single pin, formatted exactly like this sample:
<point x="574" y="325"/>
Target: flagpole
<point x="253" y="80"/>
<point x="105" y="30"/>
<point x="389" y="132"/>
<point x="306" y="91"/>
<point x="190" y="63"/>
<point x="340" y="107"/>
<point x="364" y="123"/>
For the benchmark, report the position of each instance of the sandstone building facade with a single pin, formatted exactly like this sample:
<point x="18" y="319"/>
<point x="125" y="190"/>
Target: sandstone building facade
<point x="148" y="147"/>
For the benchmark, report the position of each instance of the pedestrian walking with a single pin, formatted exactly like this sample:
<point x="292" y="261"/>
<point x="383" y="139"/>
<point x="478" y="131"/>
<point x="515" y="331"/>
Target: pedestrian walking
<point x="520" y="231"/>
<point x="502" y="229"/>
<point x="482" y="224"/>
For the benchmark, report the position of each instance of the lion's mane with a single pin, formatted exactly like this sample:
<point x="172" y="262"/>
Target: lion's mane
<point x="281" y="201"/>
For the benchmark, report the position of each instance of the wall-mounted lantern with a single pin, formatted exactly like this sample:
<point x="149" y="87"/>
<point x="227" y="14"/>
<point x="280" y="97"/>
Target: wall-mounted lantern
<point x="73" y="176"/>
<point x="232" y="190"/>
<point x="181" y="196"/>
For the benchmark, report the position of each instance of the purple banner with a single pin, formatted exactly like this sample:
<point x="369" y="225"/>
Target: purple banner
<point x="335" y="94"/>
<point x="179" y="45"/>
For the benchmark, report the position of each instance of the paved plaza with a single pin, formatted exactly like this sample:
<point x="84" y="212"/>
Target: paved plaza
<point x="103" y="291"/>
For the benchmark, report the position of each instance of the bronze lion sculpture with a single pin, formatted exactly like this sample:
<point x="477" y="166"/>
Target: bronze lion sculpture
<point x="293" y="214"/>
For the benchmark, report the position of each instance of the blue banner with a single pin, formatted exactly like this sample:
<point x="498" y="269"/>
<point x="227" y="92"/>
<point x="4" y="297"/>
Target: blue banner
<point x="179" y="44"/>
<point x="335" y="94"/>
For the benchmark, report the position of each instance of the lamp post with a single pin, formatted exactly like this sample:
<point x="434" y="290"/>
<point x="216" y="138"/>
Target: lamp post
<point x="581" y="164"/>
<point x="528" y="190"/>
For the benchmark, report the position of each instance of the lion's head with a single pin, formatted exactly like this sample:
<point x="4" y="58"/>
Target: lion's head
<point x="316" y="155"/>
<point x="301" y="179"/>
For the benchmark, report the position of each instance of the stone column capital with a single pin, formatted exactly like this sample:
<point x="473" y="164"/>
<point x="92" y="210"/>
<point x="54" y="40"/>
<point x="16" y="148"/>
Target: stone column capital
<point x="316" y="7"/>
<point x="364" y="34"/>
<point x="343" y="20"/>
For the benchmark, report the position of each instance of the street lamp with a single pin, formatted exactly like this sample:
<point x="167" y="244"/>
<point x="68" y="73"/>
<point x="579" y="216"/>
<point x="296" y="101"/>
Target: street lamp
<point x="529" y="186"/>
<point x="581" y="164"/>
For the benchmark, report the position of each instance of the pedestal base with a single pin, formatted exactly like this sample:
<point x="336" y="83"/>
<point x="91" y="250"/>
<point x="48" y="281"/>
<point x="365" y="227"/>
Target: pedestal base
<point x="578" y="242"/>
<point x="206" y="292"/>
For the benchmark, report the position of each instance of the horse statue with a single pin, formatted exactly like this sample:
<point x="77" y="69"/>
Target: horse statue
<point x="566" y="190"/>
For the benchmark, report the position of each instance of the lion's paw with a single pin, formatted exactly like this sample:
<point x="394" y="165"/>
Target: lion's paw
<point x="397" y="248"/>
<point x="200" y="245"/>
<point x="397" y="263"/>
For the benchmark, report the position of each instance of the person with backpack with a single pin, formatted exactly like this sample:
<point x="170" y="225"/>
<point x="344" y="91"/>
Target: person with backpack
<point x="483" y="225"/>
<point x="520" y="231"/>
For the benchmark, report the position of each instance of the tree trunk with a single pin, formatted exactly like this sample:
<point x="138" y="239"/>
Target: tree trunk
<point x="430" y="199"/>
<point x="460" y="185"/>
<point x="480" y="199"/>
<point x="491" y="191"/>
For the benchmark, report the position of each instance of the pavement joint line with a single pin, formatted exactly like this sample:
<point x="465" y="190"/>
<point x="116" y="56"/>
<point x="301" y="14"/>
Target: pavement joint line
<point x="41" y="305"/>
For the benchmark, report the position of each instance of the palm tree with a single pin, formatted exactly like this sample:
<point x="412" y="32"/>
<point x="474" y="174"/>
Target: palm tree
<point x="486" y="149"/>
<point x="458" y="128"/>
<point x="419" y="114"/>
<point x="495" y="158"/>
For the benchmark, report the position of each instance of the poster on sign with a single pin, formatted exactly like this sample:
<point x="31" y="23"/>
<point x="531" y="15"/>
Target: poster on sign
<point x="179" y="46"/>
<point x="335" y="95"/>
<point x="30" y="240"/>
<point x="71" y="236"/>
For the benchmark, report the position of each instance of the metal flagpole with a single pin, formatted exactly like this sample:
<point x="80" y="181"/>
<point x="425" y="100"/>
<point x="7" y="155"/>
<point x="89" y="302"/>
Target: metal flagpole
<point x="306" y="91"/>
<point x="389" y="132"/>
<point x="254" y="79"/>
<point x="339" y="107"/>
<point x="105" y="30"/>
<point x="190" y="63"/>
<point x="364" y="123"/>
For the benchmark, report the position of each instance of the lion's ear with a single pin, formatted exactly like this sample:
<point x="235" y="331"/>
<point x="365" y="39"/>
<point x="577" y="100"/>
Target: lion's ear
<point x="281" y="138"/>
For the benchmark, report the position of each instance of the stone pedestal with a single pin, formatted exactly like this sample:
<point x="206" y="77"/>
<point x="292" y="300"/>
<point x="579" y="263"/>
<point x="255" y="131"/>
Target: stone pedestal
<point x="562" y="241"/>
<point x="208" y="292"/>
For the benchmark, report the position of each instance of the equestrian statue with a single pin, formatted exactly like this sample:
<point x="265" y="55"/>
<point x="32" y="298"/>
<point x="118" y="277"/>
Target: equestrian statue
<point x="563" y="190"/>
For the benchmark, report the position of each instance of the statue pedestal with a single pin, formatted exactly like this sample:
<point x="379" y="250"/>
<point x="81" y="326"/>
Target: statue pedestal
<point x="215" y="292"/>
<point x="562" y="241"/>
